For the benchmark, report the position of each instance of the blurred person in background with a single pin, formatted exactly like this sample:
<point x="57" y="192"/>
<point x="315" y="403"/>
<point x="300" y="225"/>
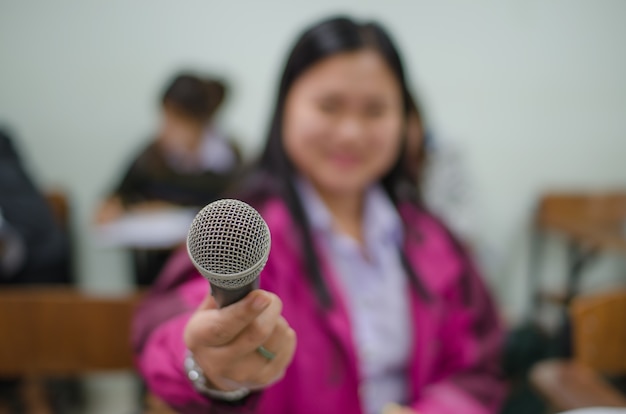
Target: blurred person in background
<point x="34" y="250"/>
<point x="447" y="187"/>
<point x="444" y="184"/>
<point x="386" y="306"/>
<point x="33" y="247"/>
<point x="189" y="163"/>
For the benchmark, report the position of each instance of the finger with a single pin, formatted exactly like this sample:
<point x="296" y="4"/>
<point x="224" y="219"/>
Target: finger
<point x="251" y="370"/>
<point x="259" y="330"/>
<point x="279" y="340"/>
<point x="275" y="369"/>
<point x="226" y="323"/>
<point x="256" y="372"/>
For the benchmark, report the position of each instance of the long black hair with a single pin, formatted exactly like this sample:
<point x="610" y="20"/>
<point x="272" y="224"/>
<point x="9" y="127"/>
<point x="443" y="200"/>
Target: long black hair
<point x="274" y="174"/>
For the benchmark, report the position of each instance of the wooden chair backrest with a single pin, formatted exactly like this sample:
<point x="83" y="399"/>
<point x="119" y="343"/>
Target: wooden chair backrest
<point x="599" y="337"/>
<point x="62" y="331"/>
<point x="598" y="208"/>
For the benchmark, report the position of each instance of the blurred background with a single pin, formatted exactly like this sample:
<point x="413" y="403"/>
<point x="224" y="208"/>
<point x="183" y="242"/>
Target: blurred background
<point x="532" y="94"/>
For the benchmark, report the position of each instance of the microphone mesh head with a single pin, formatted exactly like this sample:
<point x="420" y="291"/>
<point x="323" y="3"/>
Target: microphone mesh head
<point x="229" y="243"/>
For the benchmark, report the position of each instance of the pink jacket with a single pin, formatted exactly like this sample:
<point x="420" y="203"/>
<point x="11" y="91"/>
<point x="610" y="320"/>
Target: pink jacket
<point x="456" y="346"/>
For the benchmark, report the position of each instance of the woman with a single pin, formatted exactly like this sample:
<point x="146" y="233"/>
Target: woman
<point x="188" y="164"/>
<point x="387" y="311"/>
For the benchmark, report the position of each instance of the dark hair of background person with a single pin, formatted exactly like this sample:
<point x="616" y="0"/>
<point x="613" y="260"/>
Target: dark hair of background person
<point x="416" y="158"/>
<point x="274" y="174"/>
<point x="193" y="97"/>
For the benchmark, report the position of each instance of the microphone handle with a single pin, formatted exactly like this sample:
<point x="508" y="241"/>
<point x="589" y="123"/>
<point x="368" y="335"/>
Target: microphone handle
<point x="225" y="297"/>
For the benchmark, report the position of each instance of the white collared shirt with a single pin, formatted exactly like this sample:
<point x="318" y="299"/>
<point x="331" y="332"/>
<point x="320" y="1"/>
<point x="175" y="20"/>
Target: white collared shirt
<point x="375" y="288"/>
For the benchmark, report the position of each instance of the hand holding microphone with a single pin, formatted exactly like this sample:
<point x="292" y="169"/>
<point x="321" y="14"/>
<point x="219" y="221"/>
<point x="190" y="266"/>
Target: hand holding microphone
<point x="237" y="335"/>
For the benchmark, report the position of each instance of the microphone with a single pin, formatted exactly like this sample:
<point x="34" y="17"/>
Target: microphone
<point x="229" y="243"/>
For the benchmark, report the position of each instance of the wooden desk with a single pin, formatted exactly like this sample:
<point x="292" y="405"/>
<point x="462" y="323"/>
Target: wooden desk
<point x="62" y="331"/>
<point x="568" y="385"/>
<point x="599" y="349"/>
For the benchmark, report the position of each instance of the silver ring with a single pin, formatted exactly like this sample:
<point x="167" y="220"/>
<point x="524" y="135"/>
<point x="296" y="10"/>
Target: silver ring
<point x="265" y="353"/>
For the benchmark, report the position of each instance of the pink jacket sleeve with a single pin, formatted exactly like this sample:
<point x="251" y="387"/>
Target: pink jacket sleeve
<point x="158" y="332"/>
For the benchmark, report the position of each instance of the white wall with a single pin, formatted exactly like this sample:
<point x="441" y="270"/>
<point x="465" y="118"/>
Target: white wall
<point x="534" y="90"/>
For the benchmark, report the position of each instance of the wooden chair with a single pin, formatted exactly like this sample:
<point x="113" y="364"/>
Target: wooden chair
<point x="60" y="332"/>
<point x="63" y="332"/>
<point x="590" y="223"/>
<point x="599" y="341"/>
<point x="594" y="218"/>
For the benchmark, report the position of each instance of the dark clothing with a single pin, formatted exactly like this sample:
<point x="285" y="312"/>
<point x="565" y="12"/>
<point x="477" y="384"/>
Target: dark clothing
<point x="150" y="178"/>
<point x="26" y="211"/>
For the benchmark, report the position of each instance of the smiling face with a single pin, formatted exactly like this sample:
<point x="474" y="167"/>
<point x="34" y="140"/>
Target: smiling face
<point x="343" y="122"/>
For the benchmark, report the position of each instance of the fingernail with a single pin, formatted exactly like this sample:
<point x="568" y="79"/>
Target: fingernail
<point x="260" y="302"/>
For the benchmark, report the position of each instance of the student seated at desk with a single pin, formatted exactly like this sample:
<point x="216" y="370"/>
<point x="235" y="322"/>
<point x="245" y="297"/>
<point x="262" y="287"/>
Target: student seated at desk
<point x="188" y="163"/>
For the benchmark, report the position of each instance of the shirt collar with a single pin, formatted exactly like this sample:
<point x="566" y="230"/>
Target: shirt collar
<point x="381" y="220"/>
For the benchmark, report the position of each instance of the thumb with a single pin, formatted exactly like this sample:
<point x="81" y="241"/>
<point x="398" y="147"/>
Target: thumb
<point x="208" y="303"/>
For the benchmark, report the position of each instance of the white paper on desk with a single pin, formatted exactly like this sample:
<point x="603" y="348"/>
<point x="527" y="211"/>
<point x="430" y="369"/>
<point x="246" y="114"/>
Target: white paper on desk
<point x="147" y="230"/>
